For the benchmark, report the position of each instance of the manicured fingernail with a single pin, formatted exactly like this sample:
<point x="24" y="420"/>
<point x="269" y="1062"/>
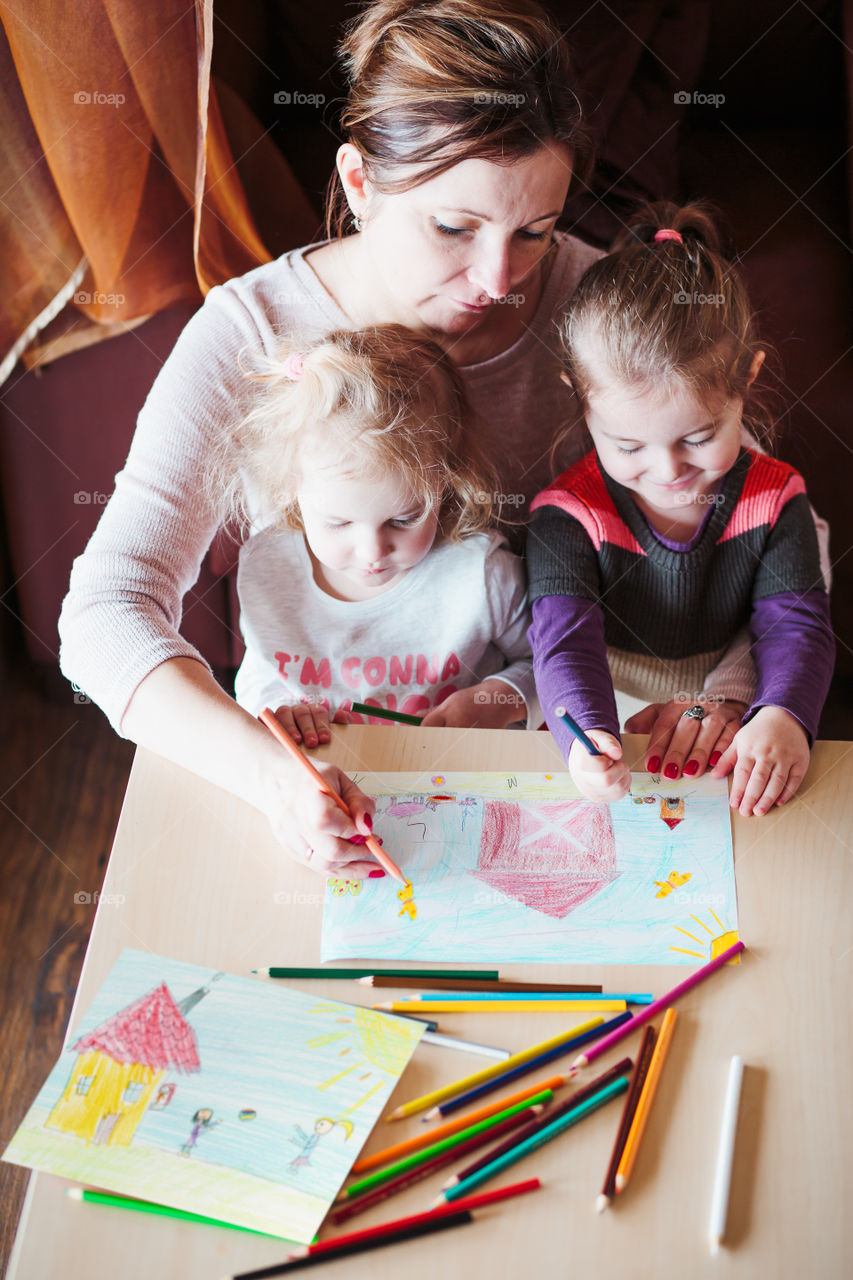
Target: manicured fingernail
<point x="368" y="822"/>
<point x="358" y="839"/>
<point x="375" y="875"/>
<point x="654" y="764"/>
<point x="671" y="770"/>
<point x="714" y="757"/>
<point x="691" y="766"/>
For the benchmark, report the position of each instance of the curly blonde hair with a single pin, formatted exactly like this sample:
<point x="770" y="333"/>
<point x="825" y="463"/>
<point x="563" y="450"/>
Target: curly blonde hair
<point x="377" y="400"/>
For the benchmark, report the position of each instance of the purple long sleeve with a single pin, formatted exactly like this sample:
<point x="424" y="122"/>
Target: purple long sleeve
<point x="794" y="651"/>
<point x="570" y="665"/>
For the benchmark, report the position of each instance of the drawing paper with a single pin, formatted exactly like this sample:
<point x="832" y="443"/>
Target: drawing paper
<point x="522" y="867"/>
<point x="221" y="1095"/>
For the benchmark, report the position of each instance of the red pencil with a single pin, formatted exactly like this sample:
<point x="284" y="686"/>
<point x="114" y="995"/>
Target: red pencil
<point x="371" y="843"/>
<point x="408" y="1177"/>
<point x="469" y="1202"/>
<point x="632" y="1097"/>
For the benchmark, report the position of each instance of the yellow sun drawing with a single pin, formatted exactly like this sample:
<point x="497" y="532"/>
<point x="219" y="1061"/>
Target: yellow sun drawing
<point x="381" y="1045"/>
<point x="719" y="942"/>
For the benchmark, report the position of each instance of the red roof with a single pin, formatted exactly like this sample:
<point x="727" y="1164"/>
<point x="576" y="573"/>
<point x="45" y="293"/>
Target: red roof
<point x="151" y="1031"/>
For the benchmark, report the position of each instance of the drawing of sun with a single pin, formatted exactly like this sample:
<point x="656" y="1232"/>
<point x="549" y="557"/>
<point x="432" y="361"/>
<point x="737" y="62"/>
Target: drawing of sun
<point x="438" y="780"/>
<point x="719" y="941"/>
<point x="379" y="1043"/>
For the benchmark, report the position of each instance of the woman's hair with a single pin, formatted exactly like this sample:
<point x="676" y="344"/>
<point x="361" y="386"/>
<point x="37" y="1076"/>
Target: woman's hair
<point x="654" y="312"/>
<point x="375" y="400"/>
<point x="435" y="82"/>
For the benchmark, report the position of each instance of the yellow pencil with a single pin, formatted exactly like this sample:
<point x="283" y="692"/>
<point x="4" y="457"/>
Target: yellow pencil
<point x="647" y="1097"/>
<point x="505" y="1006"/>
<point x="488" y="1073"/>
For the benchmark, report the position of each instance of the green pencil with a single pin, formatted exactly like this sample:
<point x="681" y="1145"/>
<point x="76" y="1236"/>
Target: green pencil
<point x="162" y="1210"/>
<point x="380" y="713"/>
<point x="278" y="972"/>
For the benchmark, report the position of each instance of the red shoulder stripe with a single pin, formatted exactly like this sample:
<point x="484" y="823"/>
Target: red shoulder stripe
<point x="581" y="492"/>
<point x="768" y="486"/>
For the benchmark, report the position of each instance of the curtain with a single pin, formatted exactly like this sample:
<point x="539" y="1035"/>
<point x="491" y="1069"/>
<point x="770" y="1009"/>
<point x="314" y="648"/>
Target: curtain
<point x="120" y="193"/>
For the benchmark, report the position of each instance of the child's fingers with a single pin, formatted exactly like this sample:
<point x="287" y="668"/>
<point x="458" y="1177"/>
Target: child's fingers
<point x="759" y="778"/>
<point x="284" y="715"/>
<point x="795" y="777"/>
<point x="303" y="718"/>
<point x="740" y="780"/>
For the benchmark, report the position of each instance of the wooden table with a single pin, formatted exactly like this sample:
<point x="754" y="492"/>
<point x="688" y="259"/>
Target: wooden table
<point x="196" y="875"/>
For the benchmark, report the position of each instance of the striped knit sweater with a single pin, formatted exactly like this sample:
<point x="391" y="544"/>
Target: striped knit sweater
<point x="600" y="577"/>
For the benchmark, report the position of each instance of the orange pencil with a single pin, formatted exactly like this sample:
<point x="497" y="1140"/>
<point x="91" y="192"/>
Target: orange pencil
<point x="453" y="1126"/>
<point x="644" y="1106"/>
<point x="287" y="742"/>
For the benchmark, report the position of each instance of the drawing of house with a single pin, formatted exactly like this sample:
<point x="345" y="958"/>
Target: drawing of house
<point x="672" y="810"/>
<point x="120" y="1065"/>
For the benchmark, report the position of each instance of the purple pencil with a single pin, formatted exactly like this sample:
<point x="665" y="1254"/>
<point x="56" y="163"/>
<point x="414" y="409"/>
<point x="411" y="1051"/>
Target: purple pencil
<point x="655" y="1007"/>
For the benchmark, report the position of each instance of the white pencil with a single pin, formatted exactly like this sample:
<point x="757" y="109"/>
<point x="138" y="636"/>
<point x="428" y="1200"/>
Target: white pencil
<point x="723" y="1174"/>
<point x="468" y="1046"/>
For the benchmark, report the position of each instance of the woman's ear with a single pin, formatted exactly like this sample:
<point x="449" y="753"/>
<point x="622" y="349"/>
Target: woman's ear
<point x="564" y="377"/>
<point x="757" y="361"/>
<point x="351" y="171"/>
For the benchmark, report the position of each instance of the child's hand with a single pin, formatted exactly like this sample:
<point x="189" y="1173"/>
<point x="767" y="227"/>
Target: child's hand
<point x="770" y="756"/>
<point x="305" y="722"/>
<point x="603" y="778"/>
<point x="493" y="704"/>
<point x="679" y="744"/>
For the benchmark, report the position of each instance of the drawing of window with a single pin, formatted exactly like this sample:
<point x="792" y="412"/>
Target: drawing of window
<point x="132" y="1091"/>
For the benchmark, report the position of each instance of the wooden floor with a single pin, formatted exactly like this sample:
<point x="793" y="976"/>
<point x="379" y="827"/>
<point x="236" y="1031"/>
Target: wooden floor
<point x="63" y="774"/>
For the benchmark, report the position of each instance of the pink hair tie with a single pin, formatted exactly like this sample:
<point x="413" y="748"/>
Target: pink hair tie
<point x="667" y="233"/>
<point x="293" y="366"/>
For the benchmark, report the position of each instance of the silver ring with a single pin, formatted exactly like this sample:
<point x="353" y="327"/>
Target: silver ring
<point x="309" y="855"/>
<point x="694" y="713"/>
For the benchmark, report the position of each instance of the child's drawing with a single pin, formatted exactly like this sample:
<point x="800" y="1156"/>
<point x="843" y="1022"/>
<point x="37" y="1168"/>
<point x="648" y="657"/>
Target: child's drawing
<point x="147" y="1097"/>
<point x="522" y="867"/>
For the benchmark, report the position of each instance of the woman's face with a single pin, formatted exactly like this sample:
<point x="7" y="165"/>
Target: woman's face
<point x="442" y="255"/>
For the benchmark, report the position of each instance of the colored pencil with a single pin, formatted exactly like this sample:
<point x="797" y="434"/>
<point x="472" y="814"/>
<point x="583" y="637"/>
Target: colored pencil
<point x="371" y="843"/>
<point x="387" y="1154"/>
<point x="391" y="1187"/>
<point x="488" y="1073"/>
<point x="425" y="1022"/>
<point x="466" y="1046"/>
<point x="89" y="1196"/>
<point x="442" y="980"/>
<point x="520" y="1005"/>
<point x="725" y="1155"/>
<point x="418" y="975"/>
<point x="644" y="1105"/>
<point x="635" y="1086"/>
<point x="596" y="1027"/>
<point x="346" y="1248"/>
<point x="620" y="1069"/>
<point x="479" y="1201"/>
<point x="651" y="1011"/>
<point x="578" y="732"/>
<point x="449" y="1143"/>
<point x="380" y="713"/>
<point x="539" y="1139"/>
<point x="583" y="999"/>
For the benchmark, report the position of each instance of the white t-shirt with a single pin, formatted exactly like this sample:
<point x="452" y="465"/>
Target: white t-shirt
<point x="456" y="618"/>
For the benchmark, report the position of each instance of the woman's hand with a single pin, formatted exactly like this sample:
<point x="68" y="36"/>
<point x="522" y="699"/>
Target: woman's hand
<point x="770" y="757"/>
<point x="493" y="704"/>
<point x="604" y="778"/>
<point x="678" y="744"/>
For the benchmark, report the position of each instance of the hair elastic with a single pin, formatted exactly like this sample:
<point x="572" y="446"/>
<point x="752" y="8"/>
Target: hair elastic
<point x="667" y="233"/>
<point x="293" y="366"/>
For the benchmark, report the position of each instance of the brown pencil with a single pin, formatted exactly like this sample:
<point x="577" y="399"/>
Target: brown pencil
<point x="371" y="843"/>
<point x="409" y="1176"/>
<point x="635" y="1087"/>
<point x="466" y="984"/>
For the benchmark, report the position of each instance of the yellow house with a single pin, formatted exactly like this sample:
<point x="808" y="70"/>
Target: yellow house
<point x="120" y="1065"/>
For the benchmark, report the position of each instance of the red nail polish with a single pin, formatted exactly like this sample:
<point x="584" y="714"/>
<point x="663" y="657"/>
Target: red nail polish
<point x="691" y="766"/>
<point x="671" y="770"/>
<point x="715" y="755"/>
<point x="654" y="764"/>
<point x="368" y="822"/>
<point x="375" y="875"/>
<point x="358" y="839"/>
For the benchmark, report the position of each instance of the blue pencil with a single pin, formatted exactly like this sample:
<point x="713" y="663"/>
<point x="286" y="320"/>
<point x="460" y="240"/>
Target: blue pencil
<point x="577" y="731"/>
<point x="498" y="1082"/>
<point x="531" y="1144"/>
<point x="632" y="997"/>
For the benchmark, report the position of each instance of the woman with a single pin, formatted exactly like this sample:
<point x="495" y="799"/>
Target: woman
<point x="463" y="131"/>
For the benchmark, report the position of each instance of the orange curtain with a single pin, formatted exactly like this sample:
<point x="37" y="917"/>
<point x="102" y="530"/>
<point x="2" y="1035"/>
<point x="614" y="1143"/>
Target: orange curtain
<point x="119" y="192"/>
